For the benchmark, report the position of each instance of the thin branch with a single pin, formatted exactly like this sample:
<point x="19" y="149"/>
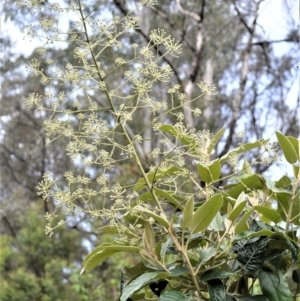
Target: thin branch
<point x="237" y="101"/>
<point x="187" y="13"/>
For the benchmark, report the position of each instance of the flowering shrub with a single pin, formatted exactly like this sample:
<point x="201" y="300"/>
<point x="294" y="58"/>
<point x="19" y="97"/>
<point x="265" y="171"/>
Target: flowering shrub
<point x="205" y="227"/>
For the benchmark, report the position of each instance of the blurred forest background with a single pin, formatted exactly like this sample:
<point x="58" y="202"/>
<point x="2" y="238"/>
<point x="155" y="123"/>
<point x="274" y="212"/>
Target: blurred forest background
<point x="225" y="42"/>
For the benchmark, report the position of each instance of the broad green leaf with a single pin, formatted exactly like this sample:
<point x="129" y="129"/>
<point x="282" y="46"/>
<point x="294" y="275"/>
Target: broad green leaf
<point x="283" y="182"/>
<point x="269" y="213"/>
<point x="216" y="139"/>
<point x="287" y="148"/>
<point x="165" y="194"/>
<point x="205" y="214"/>
<point x="154" y="176"/>
<point x="100" y="253"/>
<point x="160" y="220"/>
<point x="217" y="223"/>
<point x="216" y="274"/>
<point x="204" y="172"/>
<point x="241" y="149"/>
<point x="296" y="144"/>
<point x="172" y="295"/>
<point x="140" y="282"/>
<point x="135" y="271"/>
<point x="242" y="226"/>
<point x="209" y="172"/>
<point x="274" y="286"/>
<point x="187" y="213"/>
<point x="254" y="298"/>
<point x="285" y="201"/>
<point x="113" y="229"/>
<point x="296" y="170"/>
<point x="246" y="184"/>
<point x="148" y="237"/>
<point x="178" y="271"/>
<point x="237" y="210"/>
<point x="206" y="254"/>
<point x="215" y="169"/>
<point x="238" y="207"/>
<point x="185" y="138"/>
<point x="247" y="168"/>
<point x="249" y="234"/>
<point x="216" y="290"/>
<point x="164" y="247"/>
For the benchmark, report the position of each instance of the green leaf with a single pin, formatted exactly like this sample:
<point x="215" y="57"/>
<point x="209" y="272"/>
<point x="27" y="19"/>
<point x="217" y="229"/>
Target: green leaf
<point x="165" y="194"/>
<point x="185" y="138"/>
<point x="160" y="220"/>
<point x="242" y="226"/>
<point x="102" y="252"/>
<point x="204" y="172"/>
<point x="246" y="184"/>
<point x="238" y="207"/>
<point x="206" y="254"/>
<point x="205" y="214"/>
<point x="287" y="148"/>
<point x="283" y="182"/>
<point x="135" y="271"/>
<point x="274" y="287"/>
<point x="217" y="223"/>
<point x="187" y="213"/>
<point x="178" y="271"/>
<point x="296" y="144"/>
<point x="164" y="247"/>
<point x="149" y="238"/>
<point x="254" y="298"/>
<point x="249" y="234"/>
<point x="247" y="168"/>
<point x="216" y="274"/>
<point x="269" y="213"/>
<point x="209" y="172"/>
<point x="239" y="150"/>
<point x="216" y="290"/>
<point x="172" y="295"/>
<point x="216" y="139"/>
<point x="154" y="176"/>
<point x="140" y="282"/>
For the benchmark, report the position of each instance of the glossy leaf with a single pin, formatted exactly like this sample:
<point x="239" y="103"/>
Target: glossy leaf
<point x="238" y="207"/>
<point x="166" y="195"/>
<point x="254" y="298"/>
<point x="216" y="274"/>
<point x="296" y="144"/>
<point x="205" y="214"/>
<point x="160" y="220"/>
<point x="269" y="213"/>
<point x="287" y="148"/>
<point x="216" y="290"/>
<point x="274" y="286"/>
<point x="216" y="139"/>
<point x="149" y="238"/>
<point x="242" y="225"/>
<point x="246" y="184"/>
<point x="187" y="213"/>
<point x="140" y="282"/>
<point x="209" y="172"/>
<point x="239" y="150"/>
<point x="217" y="223"/>
<point x="206" y="254"/>
<point x="251" y="254"/>
<point x="172" y="295"/>
<point x="154" y="176"/>
<point x="102" y="252"/>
